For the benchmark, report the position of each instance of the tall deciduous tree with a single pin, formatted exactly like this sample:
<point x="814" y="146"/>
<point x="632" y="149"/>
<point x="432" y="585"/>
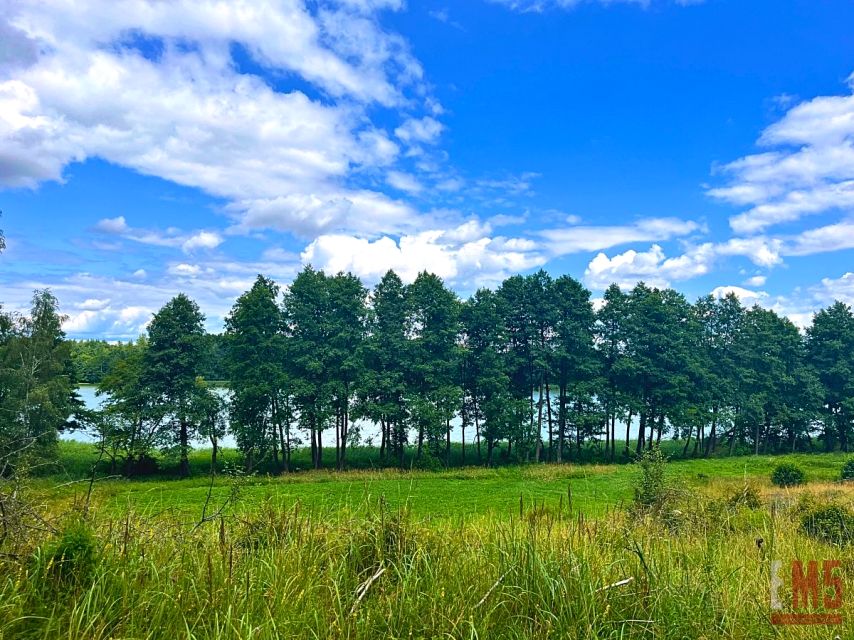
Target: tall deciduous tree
<point x="576" y="363"/>
<point x="308" y="311"/>
<point x="257" y="360"/>
<point x="132" y="422"/>
<point x="830" y="351"/>
<point x="777" y="391"/>
<point x="433" y="328"/>
<point x="37" y="386"/>
<point x="347" y="327"/>
<point x="171" y="366"/>
<point x="488" y="401"/>
<point x="384" y="384"/>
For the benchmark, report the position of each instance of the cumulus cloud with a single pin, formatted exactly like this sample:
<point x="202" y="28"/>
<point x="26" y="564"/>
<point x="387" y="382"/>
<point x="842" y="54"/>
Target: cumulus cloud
<point x="154" y="86"/>
<point x="653" y="267"/>
<point x="810" y="169"/>
<point x="464" y="256"/>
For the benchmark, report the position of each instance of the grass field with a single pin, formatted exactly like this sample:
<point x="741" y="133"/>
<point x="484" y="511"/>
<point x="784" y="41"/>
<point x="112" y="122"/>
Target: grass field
<point x="594" y="488"/>
<point x="531" y="551"/>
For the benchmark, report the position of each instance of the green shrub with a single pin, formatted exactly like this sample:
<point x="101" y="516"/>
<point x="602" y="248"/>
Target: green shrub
<point x="830" y="523"/>
<point x="787" y="474"/>
<point x="651" y="490"/>
<point x="71" y="558"/>
<point x="748" y="496"/>
<point x="848" y="469"/>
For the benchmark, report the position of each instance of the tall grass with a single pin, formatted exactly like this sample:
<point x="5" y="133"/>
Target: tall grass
<point x="284" y="569"/>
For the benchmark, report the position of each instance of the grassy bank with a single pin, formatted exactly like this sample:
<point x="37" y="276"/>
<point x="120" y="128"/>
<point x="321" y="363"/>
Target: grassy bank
<point x="283" y="569"/>
<point x="536" y="551"/>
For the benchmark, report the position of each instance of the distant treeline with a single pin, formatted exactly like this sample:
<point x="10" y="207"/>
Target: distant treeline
<point x="93" y="359"/>
<point x="531" y="367"/>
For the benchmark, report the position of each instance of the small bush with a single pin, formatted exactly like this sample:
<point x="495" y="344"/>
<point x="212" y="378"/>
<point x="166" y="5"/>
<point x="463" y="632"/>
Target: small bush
<point x="830" y="523"/>
<point x="651" y="490"/>
<point x="788" y="475"/>
<point x="848" y="470"/>
<point x="748" y="496"/>
<point x="72" y="557"/>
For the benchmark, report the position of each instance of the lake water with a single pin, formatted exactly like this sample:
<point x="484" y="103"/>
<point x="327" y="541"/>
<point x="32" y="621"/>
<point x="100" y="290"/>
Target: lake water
<point x="369" y="430"/>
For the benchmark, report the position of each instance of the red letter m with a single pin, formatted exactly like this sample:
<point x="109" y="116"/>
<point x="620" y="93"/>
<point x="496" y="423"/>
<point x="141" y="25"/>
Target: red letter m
<point x="804" y="587"/>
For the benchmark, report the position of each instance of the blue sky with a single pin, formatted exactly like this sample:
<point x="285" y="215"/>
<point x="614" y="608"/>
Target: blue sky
<point x="151" y="147"/>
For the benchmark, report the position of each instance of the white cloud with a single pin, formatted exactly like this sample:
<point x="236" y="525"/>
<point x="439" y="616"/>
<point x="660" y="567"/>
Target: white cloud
<point x="464" y="256"/>
<point x="404" y="182"/>
<point x="184" y="269"/>
<point x="832" y="289"/>
<point x="756" y="281"/>
<point x="426" y="129"/>
<point x="202" y="240"/>
<point x="653" y="267"/>
<point x="538" y="6"/>
<point x="172" y="237"/>
<point x="832" y="237"/>
<point x="810" y="170"/>
<point x="113" y="225"/>
<point x="746" y="296"/>
<point x="185" y="112"/>
<point x="576" y="239"/>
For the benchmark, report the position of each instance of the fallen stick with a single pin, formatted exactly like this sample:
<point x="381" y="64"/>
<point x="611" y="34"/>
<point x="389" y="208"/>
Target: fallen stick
<point x="616" y="584"/>
<point x="363" y="589"/>
<point x="491" y="589"/>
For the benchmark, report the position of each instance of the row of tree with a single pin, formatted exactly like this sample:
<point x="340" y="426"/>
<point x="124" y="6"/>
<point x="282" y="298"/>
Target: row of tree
<point x="531" y="368"/>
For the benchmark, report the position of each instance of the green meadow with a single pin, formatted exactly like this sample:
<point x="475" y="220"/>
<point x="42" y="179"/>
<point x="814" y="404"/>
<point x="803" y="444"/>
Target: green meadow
<point x="523" y="551"/>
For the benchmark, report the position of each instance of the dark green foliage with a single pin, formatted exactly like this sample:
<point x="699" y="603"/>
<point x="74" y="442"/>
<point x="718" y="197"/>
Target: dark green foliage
<point x="848" y="470"/>
<point x="528" y="371"/>
<point x="257" y="359"/>
<point x="830" y="351"/>
<point x="787" y="474"/>
<point x="171" y="365"/>
<point x="651" y="490"/>
<point x="37" y="386"/>
<point x="71" y="558"/>
<point x="831" y="523"/>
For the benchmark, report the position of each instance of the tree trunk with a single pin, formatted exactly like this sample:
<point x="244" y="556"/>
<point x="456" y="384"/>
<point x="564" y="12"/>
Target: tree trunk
<point x="607" y="430"/>
<point x="628" y="432"/>
<point x="641" y="432"/>
<point x="550" y="418"/>
<point x="313" y="426"/>
<point x="319" y="448"/>
<point x="184" y="468"/>
<point x="477" y="433"/>
<point x="561" y="420"/>
<point x="448" y="442"/>
<point x="713" y="434"/>
<point x="756" y="440"/>
<point x="613" y="435"/>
